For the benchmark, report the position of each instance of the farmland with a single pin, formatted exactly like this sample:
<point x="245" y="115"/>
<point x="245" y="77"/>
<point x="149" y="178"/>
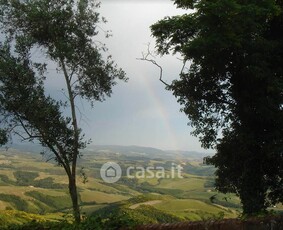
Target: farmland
<point x="28" y="183"/>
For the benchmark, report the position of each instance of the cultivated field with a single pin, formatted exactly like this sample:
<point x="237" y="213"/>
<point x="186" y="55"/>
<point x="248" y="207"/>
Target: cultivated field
<point x="28" y="183"/>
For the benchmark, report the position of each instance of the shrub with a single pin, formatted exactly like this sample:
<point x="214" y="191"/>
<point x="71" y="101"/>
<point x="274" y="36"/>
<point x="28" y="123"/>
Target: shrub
<point x="16" y="201"/>
<point x="25" y="178"/>
<point x="56" y="202"/>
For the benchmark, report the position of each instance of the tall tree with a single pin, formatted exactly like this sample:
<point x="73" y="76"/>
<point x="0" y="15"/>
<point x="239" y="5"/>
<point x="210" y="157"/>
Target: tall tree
<point x="232" y="91"/>
<point x="64" y="31"/>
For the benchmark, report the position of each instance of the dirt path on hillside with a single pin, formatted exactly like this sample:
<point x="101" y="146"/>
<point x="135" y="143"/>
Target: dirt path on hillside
<point x="152" y="202"/>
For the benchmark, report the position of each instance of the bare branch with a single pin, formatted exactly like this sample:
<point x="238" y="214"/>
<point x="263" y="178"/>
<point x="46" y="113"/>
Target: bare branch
<point x="75" y="82"/>
<point x="29" y="133"/>
<point x="81" y="60"/>
<point x="184" y="65"/>
<point x="145" y="57"/>
<point x="51" y="158"/>
<point x="29" y="138"/>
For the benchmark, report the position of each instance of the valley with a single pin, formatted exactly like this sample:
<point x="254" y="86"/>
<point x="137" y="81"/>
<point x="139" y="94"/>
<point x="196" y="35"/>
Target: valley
<point x="28" y="183"/>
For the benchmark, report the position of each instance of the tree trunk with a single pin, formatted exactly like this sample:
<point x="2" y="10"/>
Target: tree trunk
<point x="253" y="198"/>
<point x="74" y="197"/>
<point x="254" y="189"/>
<point x="72" y="176"/>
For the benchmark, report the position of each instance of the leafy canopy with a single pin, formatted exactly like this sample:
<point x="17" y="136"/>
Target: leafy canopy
<point x="63" y="31"/>
<point x="232" y="91"/>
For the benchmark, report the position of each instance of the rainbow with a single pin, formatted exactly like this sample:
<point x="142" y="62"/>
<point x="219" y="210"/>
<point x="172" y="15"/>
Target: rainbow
<point x="164" y="116"/>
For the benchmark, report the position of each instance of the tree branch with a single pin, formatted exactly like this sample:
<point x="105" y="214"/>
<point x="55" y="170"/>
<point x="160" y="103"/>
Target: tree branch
<point x="184" y="64"/>
<point x="30" y="135"/>
<point x="145" y="57"/>
<point x="74" y="117"/>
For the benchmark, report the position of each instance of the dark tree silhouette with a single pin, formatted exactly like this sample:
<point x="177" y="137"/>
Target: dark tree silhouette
<point x="232" y="91"/>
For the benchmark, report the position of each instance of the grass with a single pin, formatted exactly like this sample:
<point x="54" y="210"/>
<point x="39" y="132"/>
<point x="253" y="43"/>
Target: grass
<point x="95" y="184"/>
<point x="16" y="201"/>
<point x="154" y="200"/>
<point x="88" y="196"/>
<point x="188" y="198"/>
<point x="8" y="173"/>
<point x="88" y="209"/>
<point x="17" y="217"/>
<point x="56" y="202"/>
<point x="187" y="184"/>
<point x="186" y="204"/>
<point x="151" y="181"/>
<point x="4" y="205"/>
<point x="192" y="209"/>
<point x="10" y="217"/>
<point x="199" y="195"/>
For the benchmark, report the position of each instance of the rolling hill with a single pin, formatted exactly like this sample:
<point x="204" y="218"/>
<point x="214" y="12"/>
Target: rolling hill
<point x="28" y="183"/>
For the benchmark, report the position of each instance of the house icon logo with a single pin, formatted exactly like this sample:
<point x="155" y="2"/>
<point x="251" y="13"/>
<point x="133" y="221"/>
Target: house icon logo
<point x="110" y="172"/>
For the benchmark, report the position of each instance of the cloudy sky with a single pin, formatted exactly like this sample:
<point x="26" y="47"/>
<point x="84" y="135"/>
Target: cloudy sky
<point x="140" y="112"/>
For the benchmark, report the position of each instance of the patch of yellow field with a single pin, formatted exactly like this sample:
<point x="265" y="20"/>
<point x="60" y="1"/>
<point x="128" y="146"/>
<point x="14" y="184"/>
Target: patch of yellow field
<point x="100" y="197"/>
<point x="8" y="173"/>
<point x="95" y="185"/>
<point x="151" y="202"/>
<point x="3" y="205"/>
<point x="61" y="179"/>
<point x="184" y="207"/>
<point x="191" y="183"/>
<point x="20" y="191"/>
<point x="195" y="163"/>
<point x="151" y="181"/>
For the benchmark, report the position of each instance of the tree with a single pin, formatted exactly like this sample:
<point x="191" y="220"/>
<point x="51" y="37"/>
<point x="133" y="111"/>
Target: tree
<point x="64" y="32"/>
<point x="232" y="91"/>
<point x="3" y="137"/>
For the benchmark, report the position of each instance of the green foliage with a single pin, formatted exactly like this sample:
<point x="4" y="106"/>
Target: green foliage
<point x="118" y="216"/>
<point x="143" y="198"/>
<point x="3" y="137"/>
<point x="17" y="220"/>
<point x="25" y="178"/>
<point x="191" y="187"/>
<point x="225" y="202"/>
<point x="6" y="180"/>
<point x="158" y="215"/>
<point x="50" y="225"/>
<point x="205" y="216"/>
<point x="17" y="202"/>
<point x="64" y="32"/>
<point x="201" y="171"/>
<point x="145" y="187"/>
<point x="23" y="100"/>
<point x="56" y="202"/>
<point x="48" y="182"/>
<point x="65" y="29"/>
<point x="234" y="85"/>
<point x="36" y="222"/>
<point x="209" y="183"/>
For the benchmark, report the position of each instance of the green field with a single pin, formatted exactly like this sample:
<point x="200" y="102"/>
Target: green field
<point x="29" y="184"/>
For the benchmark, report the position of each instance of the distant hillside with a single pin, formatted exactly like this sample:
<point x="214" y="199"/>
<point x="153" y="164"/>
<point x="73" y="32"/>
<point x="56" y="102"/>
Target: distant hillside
<point x="134" y="151"/>
<point x="192" y="155"/>
<point x="25" y="147"/>
<point x="147" y="152"/>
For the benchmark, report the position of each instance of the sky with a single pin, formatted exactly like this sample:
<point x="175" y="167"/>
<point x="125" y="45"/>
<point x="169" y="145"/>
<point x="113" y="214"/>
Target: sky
<point x="140" y="112"/>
